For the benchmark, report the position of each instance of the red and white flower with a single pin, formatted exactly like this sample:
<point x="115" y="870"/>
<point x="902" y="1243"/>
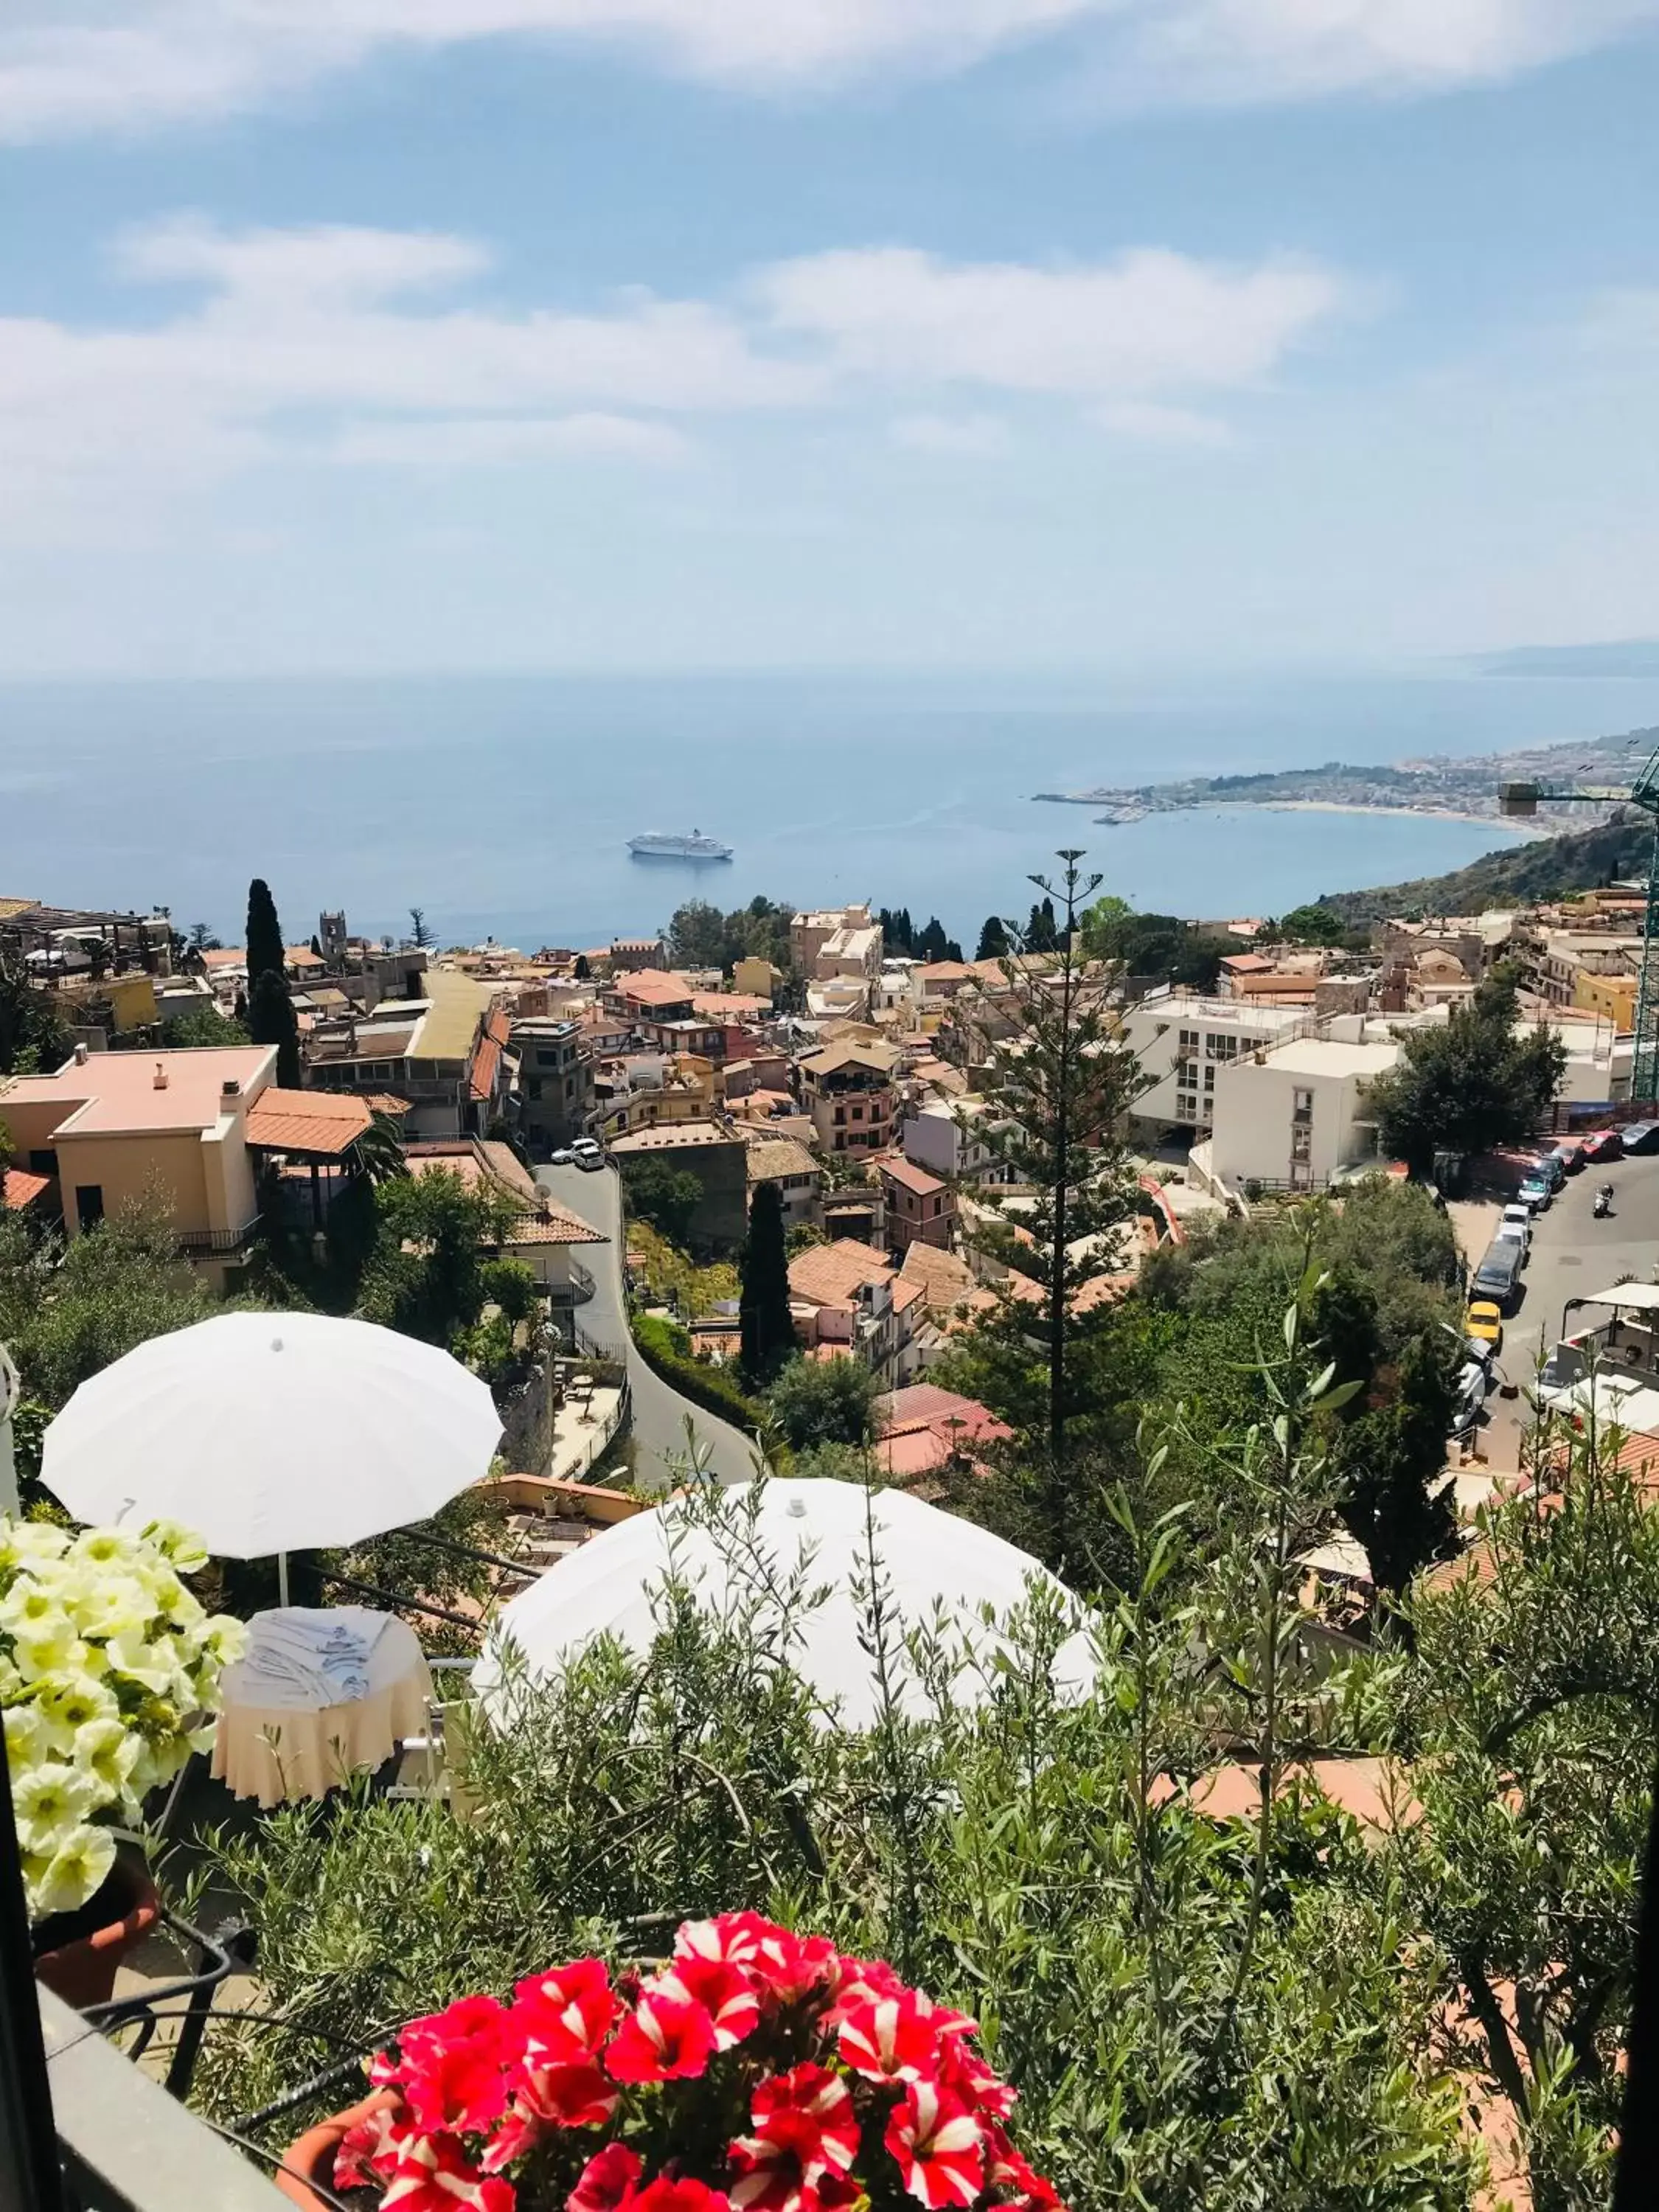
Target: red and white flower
<point x="453" y="2065"/>
<point x="435" y="2174"/>
<point x="938" y="2144"/>
<point x="806" y="2135"/>
<point x="664" y="2038"/>
<point x="566" y="2015"/>
<point x="1020" y="2183"/>
<point x="370" y="2151"/>
<point x="546" y="2097"/>
<point x="730" y="1939"/>
<point x="681" y="2195"/>
<point x="608" y="2183"/>
<point x="897" y="2038"/>
<point x="725" y="1992"/>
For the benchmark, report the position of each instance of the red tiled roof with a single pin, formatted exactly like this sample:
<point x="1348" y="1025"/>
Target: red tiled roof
<point x="486" y="1064"/>
<point x="650" y="987"/>
<point x="19" y="1188"/>
<point x="831" y="1274"/>
<point x="924" y="1404"/>
<point x="910" y="1175"/>
<point x="306" y="1121"/>
<point x="499" y="1027"/>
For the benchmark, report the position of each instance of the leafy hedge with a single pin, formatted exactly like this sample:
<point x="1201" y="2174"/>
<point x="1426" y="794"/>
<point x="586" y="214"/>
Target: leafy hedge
<point x="666" y="1350"/>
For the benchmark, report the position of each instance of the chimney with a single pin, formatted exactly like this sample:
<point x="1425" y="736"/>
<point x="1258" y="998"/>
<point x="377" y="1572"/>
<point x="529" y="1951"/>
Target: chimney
<point x="80" y="1055"/>
<point x="159" y="1080"/>
<point x="230" y="1088"/>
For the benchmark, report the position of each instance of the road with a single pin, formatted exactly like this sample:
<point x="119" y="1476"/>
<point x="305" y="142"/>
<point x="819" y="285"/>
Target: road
<point x="659" y="1412"/>
<point x="1572" y="1255"/>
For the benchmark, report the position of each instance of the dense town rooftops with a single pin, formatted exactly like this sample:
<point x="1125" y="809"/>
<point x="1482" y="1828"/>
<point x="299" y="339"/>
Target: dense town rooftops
<point x="908" y="1176"/>
<point x="834" y="1274"/>
<point x="879" y="1058"/>
<point x="770" y="1157"/>
<point x="675" y="1136"/>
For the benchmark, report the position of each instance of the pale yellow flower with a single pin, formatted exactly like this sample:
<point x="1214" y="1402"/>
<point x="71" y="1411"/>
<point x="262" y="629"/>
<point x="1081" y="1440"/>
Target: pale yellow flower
<point x="25" y="1736"/>
<point x="50" y="1800"/>
<point x="186" y="1551"/>
<point x="108" y="1751"/>
<point x="77" y="1871"/>
<point x="36" y="1540"/>
<point x="132" y="1656"/>
<point x="55" y="1648"/>
<point x="115" y="1604"/>
<point x="67" y="1702"/>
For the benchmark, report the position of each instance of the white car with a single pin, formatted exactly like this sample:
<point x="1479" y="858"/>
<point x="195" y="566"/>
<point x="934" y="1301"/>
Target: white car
<point x="564" y="1158"/>
<point x="1515" y="1221"/>
<point x="587" y="1154"/>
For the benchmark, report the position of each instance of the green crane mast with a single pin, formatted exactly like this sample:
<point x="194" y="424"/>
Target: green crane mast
<point x="1520" y="801"/>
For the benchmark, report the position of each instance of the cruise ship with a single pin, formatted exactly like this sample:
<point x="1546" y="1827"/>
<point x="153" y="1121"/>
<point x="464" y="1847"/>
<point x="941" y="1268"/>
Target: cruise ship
<point x="661" y="845"/>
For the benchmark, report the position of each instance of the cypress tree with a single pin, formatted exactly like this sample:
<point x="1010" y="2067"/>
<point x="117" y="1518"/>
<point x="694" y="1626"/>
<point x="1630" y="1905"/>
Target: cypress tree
<point x="271" y="1020"/>
<point x="993" y="939"/>
<point x="264" y="933"/>
<point x="767" y="1335"/>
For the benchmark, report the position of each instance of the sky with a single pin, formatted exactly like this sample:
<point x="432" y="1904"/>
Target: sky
<point x="366" y="335"/>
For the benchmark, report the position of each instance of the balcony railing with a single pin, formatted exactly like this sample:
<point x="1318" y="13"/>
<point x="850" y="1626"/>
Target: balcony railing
<point x="577" y="1291"/>
<point x="194" y="1240"/>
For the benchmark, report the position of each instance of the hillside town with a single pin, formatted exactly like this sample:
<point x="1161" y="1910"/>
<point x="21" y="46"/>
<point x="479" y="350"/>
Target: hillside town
<point x="780" y="1208"/>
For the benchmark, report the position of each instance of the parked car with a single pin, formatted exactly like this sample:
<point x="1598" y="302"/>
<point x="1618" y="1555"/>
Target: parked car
<point x="586" y="1153"/>
<point x="564" y="1158"/>
<point x="1536" y="1193"/>
<point x="1549" y="1167"/>
<point x="1481" y="1349"/>
<point x="1571" y="1155"/>
<point x="1483" y="1323"/>
<point x="1498" y="1276"/>
<point x="1640" y="1136"/>
<point x="1516" y="1220"/>
<point x="1605" y="1144"/>
<point x="1472" y="1383"/>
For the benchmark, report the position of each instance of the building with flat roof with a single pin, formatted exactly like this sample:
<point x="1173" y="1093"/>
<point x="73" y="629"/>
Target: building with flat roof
<point x="717" y="1156"/>
<point x="444" y="1053"/>
<point x="1182" y="1039"/>
<point x="1293" y="1118"/>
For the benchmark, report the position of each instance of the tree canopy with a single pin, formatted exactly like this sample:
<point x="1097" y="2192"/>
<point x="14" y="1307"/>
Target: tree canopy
<point x="768" y="1332"/>
<point x="271" y="1020"/>
<point x="665" y="1196"/>
<point x="701" y="936"/>
<point x="266" y="949"/>
<point x="1480" y="1081"/>
<point x="823" y="1402"/>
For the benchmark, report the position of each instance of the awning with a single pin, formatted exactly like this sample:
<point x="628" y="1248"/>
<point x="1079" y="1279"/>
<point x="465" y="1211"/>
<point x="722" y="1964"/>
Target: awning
<point x="1641" y="1297"/>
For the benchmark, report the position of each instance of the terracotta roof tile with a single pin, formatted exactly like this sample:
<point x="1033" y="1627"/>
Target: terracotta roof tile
<point x="906" y="1174"/>
<point x="19" y="1188"/>
<point x="943" y="1276"/>
<point x="832" y="1274"/>
<point x="306" y="1121"/>
<point x="486" y="1066"/>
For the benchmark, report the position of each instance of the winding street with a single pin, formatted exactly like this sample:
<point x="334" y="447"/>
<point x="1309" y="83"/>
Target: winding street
<point x="659" y="1413"/>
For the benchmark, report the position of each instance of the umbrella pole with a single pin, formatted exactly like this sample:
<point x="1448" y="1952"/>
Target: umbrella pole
<point x="282" y="1577"/>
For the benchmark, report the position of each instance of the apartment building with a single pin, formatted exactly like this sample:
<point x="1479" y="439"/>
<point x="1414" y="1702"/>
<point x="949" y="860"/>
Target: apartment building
<point x="942" y="1135"/>
<point x="848" y="1303"/>
<point x="921" y="1208"/>
<point x="798" y="1178"/>
<point x="811" y="933"/>
<point x="1184" y="1040"/>
<point x="1293" y="1116"/>
<point x="556" y="1081"/>
<point x="717" y="1156"/>
<point x="444" y="1054"/>
<point x="848" y="1090"/>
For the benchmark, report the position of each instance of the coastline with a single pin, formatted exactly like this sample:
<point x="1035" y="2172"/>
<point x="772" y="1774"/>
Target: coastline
<point x="1525" y="830"/>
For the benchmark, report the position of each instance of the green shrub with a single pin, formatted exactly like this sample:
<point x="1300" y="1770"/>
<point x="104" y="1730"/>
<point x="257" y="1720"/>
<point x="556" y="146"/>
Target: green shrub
<point x="666" y="1350"/>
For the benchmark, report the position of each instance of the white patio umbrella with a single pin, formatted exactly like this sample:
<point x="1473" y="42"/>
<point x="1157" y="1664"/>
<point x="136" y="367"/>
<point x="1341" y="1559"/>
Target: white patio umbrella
<point x="927" y="1557"/>
<point x="273" y="1433"/>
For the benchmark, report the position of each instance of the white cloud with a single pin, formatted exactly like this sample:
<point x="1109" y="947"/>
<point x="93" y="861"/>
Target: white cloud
<point x="68" y="66"/>
<point x="1152" y="423"/>
<point x="948" y="434"/>
<point x="471" y="441"/>
<point x="1147" y="322"/>
<point x="339" y="347"/>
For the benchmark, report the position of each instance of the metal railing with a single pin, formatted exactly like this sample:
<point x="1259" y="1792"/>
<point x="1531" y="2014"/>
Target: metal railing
<point x="218" y="1240"/>
<point x="577" y="1291"/>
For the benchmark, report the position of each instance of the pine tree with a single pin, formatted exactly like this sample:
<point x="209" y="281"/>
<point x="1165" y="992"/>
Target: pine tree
<point x="1066" y="1084"/>
<point x="993" y="939"/>
<point x="271" y="1020"/>
<point x="768" y="1333"/>
<point x="265" y="934"/>
<point x="419" y="934"/>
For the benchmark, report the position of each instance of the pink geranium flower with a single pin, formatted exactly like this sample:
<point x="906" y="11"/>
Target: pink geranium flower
<point x="435" y="2174"/>
<point x="938" y="2145"/>
<point x="566" y="2015"/>
<point x="663" y="2039"/>
<point x="453" y="2065"/>
<point x="608" y="2183"/>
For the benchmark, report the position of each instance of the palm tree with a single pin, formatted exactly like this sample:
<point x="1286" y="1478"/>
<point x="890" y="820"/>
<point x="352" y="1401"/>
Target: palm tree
<point x="380" y="1149"/>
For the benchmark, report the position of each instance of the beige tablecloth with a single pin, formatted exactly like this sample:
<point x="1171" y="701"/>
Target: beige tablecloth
<point x="273" y="1753"/>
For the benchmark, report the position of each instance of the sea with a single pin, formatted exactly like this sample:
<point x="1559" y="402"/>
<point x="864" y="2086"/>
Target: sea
<point x="501" y="805"/>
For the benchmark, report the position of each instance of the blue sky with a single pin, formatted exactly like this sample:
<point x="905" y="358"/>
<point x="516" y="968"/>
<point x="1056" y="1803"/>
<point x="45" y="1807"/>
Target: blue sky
<point x="398" y="334"/>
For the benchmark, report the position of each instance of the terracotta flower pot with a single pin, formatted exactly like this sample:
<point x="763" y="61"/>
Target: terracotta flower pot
<point x="312" y="2158"/>
<point x="81" y="1968"/>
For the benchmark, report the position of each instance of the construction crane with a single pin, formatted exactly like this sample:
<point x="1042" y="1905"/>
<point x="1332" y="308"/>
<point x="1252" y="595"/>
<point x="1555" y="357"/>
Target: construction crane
<point x="1521" y="801"/>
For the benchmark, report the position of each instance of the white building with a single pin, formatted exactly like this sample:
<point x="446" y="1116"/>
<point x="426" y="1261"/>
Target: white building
<point x="933" y="1137"/>
<point x="1291" y="1117"/>
<point x="1183" y="1041"/>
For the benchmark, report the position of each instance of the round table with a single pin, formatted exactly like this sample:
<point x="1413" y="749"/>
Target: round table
<point x="275" y="1750"/>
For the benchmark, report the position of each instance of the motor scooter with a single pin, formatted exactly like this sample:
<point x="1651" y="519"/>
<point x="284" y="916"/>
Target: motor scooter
<point x="1603" y="1200"/>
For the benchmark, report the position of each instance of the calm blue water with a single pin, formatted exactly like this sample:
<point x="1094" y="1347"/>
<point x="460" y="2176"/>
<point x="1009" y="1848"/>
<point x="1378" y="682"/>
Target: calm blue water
<point x="501" y="805"/>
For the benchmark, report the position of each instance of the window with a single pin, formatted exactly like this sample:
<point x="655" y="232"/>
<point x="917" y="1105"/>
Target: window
<point x="858" y="1113"/>
<point x="841" y="1142"/>
<point x="1187" y="1041"/>
<point x="1209" y="1079"/>
<point x="1223" y="1047"/>
<point x="1187" y="1106"/>
<point x="43" y="1163"/>
<point x="535" y="1087"/>
<point x="1301" y="1142"/>
<point x="1187" y="1073"/>
<point x="88" y="1204"/>
<point x="1301" y="1106"/>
